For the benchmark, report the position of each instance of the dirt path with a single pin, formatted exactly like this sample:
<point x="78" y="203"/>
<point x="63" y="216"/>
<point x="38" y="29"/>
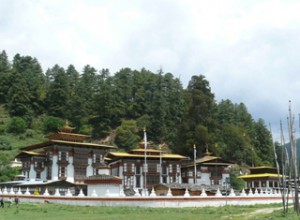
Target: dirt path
<point x="261" y="212"/>
<point x="250" y="215"/>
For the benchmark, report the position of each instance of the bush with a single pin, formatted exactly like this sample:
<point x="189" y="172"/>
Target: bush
<point x="51" y="123"/>
<point x="234" y="181"/>
<point x="17" y="125"/>
<point x="126" y="136"/>
<point x="29" y="133"/>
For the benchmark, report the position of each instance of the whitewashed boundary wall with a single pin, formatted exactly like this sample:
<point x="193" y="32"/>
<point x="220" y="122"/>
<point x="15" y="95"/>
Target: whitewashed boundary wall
<point x="159" y="202"/>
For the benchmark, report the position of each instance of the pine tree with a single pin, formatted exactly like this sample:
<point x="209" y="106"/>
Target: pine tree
<point x="199" y="119"/>
<point x="57" y="97"/>
<point x="30" y="70"/>
<point x="5" y="76"/>
<point x="19" y="101"/>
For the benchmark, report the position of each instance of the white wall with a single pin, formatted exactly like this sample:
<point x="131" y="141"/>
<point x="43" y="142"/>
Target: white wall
<point x="89" y="169"/>
<point x="32" y="173"/>
<point x="205" y="179"/>
<point x="70" y="170"/>
<point x="101" y="189"/>
<point x="54" y="167"/>
<point x="44" y="174"/>
<point x="159" y="202"/>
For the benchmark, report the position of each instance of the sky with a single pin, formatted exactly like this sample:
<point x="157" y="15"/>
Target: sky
<point x="248" y="50"/>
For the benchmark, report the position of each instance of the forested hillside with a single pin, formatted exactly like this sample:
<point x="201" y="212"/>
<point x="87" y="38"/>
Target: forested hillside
<point x="120" y="105"/>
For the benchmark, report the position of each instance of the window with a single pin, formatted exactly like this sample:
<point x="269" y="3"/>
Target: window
<point x="63" y="156"/>
<point x="158" y="168"/>
<point x="49" y="172"/>
<point x="125" y="167"/>
<point x="38" y="175"/>
<point x="170" y="168"/>
<point x="26" y="164"/>
<point x="97" y="158"/>
<point x="62" y="171"/>
<point x="151" y="179"/>
<point x="145" y="168"/>
<point x="215" y="172"/>
<point x="138" y="169"/>
<point x="132" y="167"/>
<point x="50" y="155"/>
<point x="138" y="182"/>
<point x="177" y="168"/>
<point x="125" y="180"/>
<point x="80" y="171"/>
<point x="164" y="179"/>
<point x="81" y="157"/>
<point x="130" y="181"/>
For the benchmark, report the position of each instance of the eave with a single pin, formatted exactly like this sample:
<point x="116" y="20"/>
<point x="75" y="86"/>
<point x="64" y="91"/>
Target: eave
<point x="29" y="153"/>
<point x="262" y="175"/>
<point x="69" y="143"/>
<point x="118" y="155"/>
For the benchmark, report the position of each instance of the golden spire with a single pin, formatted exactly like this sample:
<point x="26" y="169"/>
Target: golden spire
<point x="67" y="128"/>
<point x="207" y="153"/>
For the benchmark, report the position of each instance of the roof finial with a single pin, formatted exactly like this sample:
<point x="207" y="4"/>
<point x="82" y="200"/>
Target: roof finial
<point x="207" y="153"/>
<point x="67" y="128"/>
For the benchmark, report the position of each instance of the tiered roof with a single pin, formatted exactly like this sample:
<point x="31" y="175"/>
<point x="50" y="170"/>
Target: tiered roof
<point x="140" y="153"/>
<point x="118" y="155"/>
<point x="261" y="172"/>
<point x="209" y="160"/>
<point x="66" y="137"/>
<point x="30" y="153"/>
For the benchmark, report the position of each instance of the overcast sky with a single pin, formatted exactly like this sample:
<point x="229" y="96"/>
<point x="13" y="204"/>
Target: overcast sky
<point x="247" y="49"/>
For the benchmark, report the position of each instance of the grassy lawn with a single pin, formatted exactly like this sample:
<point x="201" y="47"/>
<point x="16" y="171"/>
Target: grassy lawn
<point x="31" y="211"/>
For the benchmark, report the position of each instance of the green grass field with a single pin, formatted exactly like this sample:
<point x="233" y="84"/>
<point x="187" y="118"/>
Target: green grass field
<point x="27" y="211"/>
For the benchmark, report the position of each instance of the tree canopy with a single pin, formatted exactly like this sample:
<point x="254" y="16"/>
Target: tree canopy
<point x="125" y="102"/>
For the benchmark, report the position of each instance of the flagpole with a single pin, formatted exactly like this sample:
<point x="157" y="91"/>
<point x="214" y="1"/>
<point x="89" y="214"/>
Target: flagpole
<point x="195" y="168"/>
<point x="145" y="161"/>
<point x="160" y="160"/>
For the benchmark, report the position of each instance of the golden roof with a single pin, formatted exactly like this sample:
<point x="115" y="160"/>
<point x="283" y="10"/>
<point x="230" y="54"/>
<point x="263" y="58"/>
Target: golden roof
<point x="206" y="158"/>
<point x="77" y="144"/>
<point x="209" y="160"/>
<point x="163" y="156"/>
<point x="143" y="150"/>
<point x="30" y="153"/>
<point x="261" y="175"/>
<point x="67" y="136"/>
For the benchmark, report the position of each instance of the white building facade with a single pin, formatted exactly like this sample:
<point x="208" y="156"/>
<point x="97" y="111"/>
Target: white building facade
<point x="65" y="156"/>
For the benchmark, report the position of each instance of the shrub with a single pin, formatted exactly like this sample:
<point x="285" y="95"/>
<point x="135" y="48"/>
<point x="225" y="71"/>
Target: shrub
<point x="17" y="125"/>
<point x="235" y="182"/>
<point x="51" y="123"/>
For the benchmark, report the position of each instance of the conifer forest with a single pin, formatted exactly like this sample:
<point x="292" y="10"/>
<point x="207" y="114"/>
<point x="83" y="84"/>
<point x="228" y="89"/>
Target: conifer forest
<point x="114" y="108"/>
